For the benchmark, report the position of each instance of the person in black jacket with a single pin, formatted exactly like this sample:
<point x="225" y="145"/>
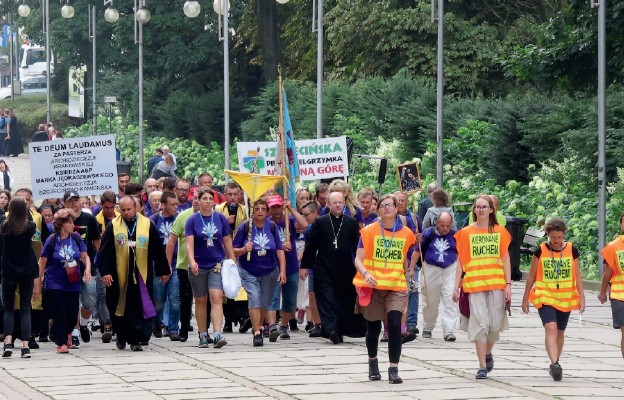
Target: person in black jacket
<point x="19" y="270"/>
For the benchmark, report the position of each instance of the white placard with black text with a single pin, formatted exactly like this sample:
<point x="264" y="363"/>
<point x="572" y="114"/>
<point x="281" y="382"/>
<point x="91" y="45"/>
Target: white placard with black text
<point x="87" y="165"/>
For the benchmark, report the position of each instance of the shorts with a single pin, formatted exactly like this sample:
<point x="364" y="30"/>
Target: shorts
<point x="551" y="314"/>
<point x="88" y="294"/>
<point x="310" y="281"/>
<point x="288" y="292"/>
<point x="617" y="310"/>
<point x="382" y="302"/>
<point x="260" y="289"/>
<point x="205" y="280"/>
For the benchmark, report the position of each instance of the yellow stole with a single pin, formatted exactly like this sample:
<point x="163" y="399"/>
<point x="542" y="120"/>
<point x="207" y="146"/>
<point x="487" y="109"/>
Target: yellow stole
<point x="100" y="220"/>
<point x="122" y="253"/>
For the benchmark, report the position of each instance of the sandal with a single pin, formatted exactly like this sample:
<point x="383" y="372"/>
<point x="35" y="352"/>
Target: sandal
<point x="489" y="362"/>
<point x="481" y="374"/>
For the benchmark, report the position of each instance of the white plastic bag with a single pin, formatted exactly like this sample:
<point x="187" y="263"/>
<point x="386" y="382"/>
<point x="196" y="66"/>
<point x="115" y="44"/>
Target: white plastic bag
<point x="230" y="279"/>
<point x="303" y="299"/>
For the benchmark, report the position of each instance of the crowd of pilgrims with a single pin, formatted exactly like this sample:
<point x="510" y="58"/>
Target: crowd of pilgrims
<point x="143" y="261"/>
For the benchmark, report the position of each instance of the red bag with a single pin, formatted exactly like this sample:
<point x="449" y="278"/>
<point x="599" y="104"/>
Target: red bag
<point x="464" y="305"/>
<point x="73" y="275"/>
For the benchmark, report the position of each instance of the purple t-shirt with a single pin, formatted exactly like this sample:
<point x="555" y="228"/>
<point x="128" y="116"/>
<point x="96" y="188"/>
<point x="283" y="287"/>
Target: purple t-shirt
<point x="292" y="261"/>
<point x="439" y="250"/>
<point x="208" y="233"/>
<point x="185" y="206"/>
<point x="346" y="211"/>
<point x="163" y="226"/>
<point x="263" y="239"/>
<point x="370" y="219"/>
<point x="57" y="251"/>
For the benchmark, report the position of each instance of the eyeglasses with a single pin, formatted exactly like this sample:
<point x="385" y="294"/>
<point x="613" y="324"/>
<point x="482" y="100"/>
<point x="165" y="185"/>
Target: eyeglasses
<point x="182" y="190"/>
<point x="482" y="207"/>
<point x="387" y="205"/>
<point x="306" y="214"/>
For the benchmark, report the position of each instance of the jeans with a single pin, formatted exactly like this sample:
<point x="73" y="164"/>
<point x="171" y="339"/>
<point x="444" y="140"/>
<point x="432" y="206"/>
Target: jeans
<point x="102" y="309"/>
<point x="171" y="292"/>
<point x="412" y="304"/>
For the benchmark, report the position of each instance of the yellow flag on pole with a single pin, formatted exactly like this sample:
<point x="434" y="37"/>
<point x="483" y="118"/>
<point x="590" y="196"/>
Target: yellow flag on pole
<point x="255" y="185"/>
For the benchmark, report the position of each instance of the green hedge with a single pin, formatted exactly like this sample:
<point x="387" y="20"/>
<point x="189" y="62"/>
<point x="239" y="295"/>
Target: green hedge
<point x="32" y="110"/>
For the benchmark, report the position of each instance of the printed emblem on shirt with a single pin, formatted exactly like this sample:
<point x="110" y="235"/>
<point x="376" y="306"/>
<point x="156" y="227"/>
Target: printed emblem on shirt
<point x="282" y="234"/>
<point x="395" y="251"/>
<point x="165" y="229"/>
<point x="209" y="230"/>
<point x="441" y="245"/>
<point x="37" y="236"/>
<point x="261" y="240"/>
<point x="485" y="245"/>
<point x="66" y="252"/>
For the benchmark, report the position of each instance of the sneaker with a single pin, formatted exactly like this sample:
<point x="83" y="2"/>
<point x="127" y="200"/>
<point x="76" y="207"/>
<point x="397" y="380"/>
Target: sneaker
<point x="556" y="371"/>
<point x="203" y="342"/>
<point x="265" y="331"/>
<point x="258" y="340"/>
<point x="244" y="326"/>
<point x="75" y="342"/>
<point x="227" y="327"/>
<point x="85" y="335"/>
<point x="32" y="343"/>
<point x="309" y="326"/>
<point x="283" y="334"/>
<point x="95" y="325"/>
<point x="384" y="338"/>
<point x="62" y="349"/>
<point x="25" y="352"/>
<point x="316" y="331"/>
<point x="489" y="362"/>
<point x="449" y="338"/>
<point x="219" y="341"/>
<point x="8" y="350"/>
<point x="293" y="325"/>
<point x="136" y="347"/>
<point x="481" y="374"/>
<point x="300" y="315"/>
<point x="273" y="333"/>
<point x="174" y="337"/>
<point x="426" y="335"/>
<point x="114" y="337"/>
<point x="43" y="339"/>
<point x="407" y="336"/>
<point x="107" y="336"/>
<point x="412" y="328"/>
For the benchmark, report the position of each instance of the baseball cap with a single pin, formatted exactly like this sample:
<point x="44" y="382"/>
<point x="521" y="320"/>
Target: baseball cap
<point x="275" y="200"/>
<point x="364" y="295"/>
<point x="70" y="194"/>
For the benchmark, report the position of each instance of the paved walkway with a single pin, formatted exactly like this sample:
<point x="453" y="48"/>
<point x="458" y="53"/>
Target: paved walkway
<point x="305" y="368"/>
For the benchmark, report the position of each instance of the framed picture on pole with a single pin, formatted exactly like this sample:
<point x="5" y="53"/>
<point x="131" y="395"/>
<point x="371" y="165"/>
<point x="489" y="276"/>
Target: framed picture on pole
<point x="409" y="177"/>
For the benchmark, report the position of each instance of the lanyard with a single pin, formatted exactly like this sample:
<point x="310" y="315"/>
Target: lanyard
<point x="557" y="265"/>
<point x="387" y="244"/>
<point x="206" y="228"/>
<point x="131" y="232"/>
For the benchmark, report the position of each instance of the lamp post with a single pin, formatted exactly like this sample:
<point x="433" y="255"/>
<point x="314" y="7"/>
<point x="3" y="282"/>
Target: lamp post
<point x="319" y="65"/>
<point x="67" y="11"/>
<point x="602" y="101"/>
<point x="142" y="16"/>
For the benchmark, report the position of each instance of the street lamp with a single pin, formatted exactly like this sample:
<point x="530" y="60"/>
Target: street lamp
<point x="111" y="15"/>
<point x="23" y="10"/>
<point x="67" y="11"/>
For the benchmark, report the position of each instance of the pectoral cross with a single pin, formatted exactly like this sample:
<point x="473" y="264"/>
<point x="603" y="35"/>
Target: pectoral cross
<point x="336" y="243"/>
